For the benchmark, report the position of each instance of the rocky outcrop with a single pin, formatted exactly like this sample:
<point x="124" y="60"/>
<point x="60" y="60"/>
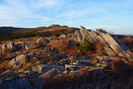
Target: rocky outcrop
<point x="113" y="45"/>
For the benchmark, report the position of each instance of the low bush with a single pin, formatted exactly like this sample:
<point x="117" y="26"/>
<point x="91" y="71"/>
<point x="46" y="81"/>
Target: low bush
<point x="86" y="46"/>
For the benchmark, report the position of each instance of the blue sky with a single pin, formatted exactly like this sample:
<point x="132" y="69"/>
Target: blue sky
<point x="112" y="15"/>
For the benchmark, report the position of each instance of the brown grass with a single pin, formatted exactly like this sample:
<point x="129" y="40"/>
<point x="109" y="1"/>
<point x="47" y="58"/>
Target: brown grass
<point x="3" y="66"/>
<point x="128" y="39"/>
<point x="59" y="45"/>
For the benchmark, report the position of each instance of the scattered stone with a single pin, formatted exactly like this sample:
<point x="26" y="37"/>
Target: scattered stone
<point x="16" y="83"/>
<point x="49" y="73"/>
<point x="13" y="63"/>
<point x="45" y="67"/>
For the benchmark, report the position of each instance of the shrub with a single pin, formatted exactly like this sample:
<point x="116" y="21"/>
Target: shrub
<point x="120" y="68"/>
<point x="86" y="46"/>
<point x="99" y="47"/>
<point x="128" y="39"/>
<point x="59" y="45"/>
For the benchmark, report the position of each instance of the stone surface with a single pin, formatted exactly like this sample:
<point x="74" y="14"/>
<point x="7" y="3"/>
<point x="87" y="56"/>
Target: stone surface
<point x="16" y="83"/>
<point x="13" y="63"/>
<point x="85" y="34"/>
<point x="45" y="67"/>
<point x="21" y="59"/>
<point x="49" y="73"/>
<point x="3" y="47"/>
<point x="38" y="83"/>
<point x="10" y="45"/>
<point x="80" y="37"/>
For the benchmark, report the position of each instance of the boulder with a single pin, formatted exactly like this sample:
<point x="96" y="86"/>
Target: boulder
<point x="13" y="63"/>
<point x="3" y="47"/>
<point x="21" y="59"/>
<point x="62" y="36"/>
<point x="40" y="40"/>
<point x="34" y="69"/>
<point x="11" y="46"/>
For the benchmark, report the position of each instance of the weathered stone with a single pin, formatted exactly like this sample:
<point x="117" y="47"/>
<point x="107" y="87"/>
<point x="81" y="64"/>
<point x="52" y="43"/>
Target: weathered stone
<point x="3" y="47"/>
<point x="45" y="67"/>
<point x="93" y="35"/>
<point x="6" y="72"/>
<point x="111" y="42"/>
<point x="34" y="69"/>
<point x="40" y="40"/>
<point x="16" y="83"/>
<point x="21" y="59"/>
<point x="49" y="73"/>
<point x="85" y="34"/>
<point x="109" y="51"/>
<point x="13" y="63"/>
<point x="27" y="47"/>
<point x="80" y="37"/>
<point x="70" y="66"/>
<point x="10" y="45"/>
<point x="62" y="36"/>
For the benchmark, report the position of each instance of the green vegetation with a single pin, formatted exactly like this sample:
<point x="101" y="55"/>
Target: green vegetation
<point x="86" y="46"/>
<point x="32" y="34"/>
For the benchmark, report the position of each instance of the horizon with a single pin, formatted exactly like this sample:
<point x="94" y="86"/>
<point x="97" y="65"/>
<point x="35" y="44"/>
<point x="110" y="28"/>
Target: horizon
<point x="115" y="15"/>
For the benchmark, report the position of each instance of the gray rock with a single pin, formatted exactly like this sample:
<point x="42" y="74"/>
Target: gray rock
<point x="38" y="83"/>
<point x="39" y="40"/>
<point x="45" y="67"/>
<point x="34" y="69"/>
<point x="85" y="34"/>
<point x="21" y="59"/>
<point x="80" y="37"/>
<point x="27" y="47"/>
<point x="49" y="73"/>
<point x="3" y="47"/>
<point x="16" y="83"/>
<point x="13" y="63"/>
<point x="10" y="45"/>
<point x="6" y="72"/>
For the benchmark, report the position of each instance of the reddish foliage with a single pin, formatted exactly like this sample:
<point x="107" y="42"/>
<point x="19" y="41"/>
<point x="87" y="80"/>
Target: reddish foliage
<point x="60" y="45"/>
<point x="121" y="68"/>
<point x="99" y="47"/>
<point x="128" y="39"/>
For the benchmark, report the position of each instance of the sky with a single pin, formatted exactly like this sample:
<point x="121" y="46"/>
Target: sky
<point x="112" y="15"/>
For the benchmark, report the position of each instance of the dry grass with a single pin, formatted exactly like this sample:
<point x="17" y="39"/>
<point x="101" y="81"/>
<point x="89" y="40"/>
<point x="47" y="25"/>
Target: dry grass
<point x="3" y="66"/>
<point x="99" y="47"/>
<point x="59" y="45"/>
<point x="37" y="63"/>
<point x="128" y="39"/>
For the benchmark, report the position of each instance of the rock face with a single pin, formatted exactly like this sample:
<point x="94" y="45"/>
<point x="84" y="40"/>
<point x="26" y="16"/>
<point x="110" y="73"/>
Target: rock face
<point x="113" y="45"/>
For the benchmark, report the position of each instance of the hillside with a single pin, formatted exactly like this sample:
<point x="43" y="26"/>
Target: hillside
<point x="10" y="33"/>
<point x="77" y="59"/>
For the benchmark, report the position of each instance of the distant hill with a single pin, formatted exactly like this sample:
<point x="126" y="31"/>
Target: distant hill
<point x="10" y="33"/>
